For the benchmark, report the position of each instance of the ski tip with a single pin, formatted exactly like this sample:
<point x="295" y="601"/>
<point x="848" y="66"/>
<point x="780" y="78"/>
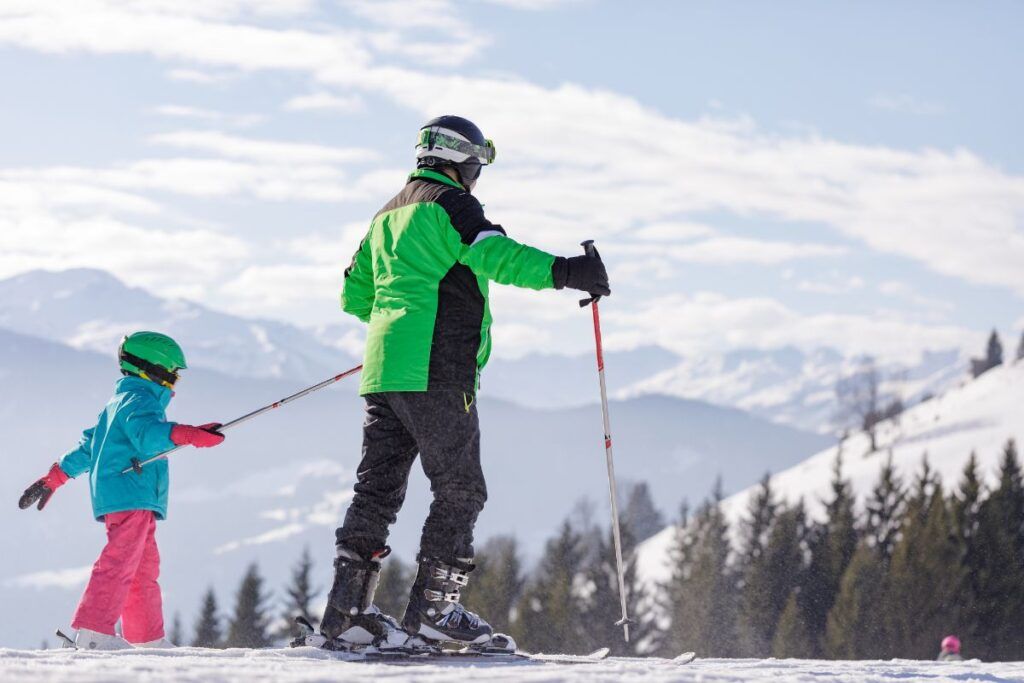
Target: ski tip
<point x="685" y="658"/>
<point x="65" y="641"/>
<point x="599" y="653"/>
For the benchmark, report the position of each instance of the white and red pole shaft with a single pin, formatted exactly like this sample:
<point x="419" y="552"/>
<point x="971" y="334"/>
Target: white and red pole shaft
<point x="589" y="249"/>
<point x="137" y="464"/>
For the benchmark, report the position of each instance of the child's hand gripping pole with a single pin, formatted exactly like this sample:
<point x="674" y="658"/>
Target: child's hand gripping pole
<point x="206" y="435"/>
<point x="590" y="250"/>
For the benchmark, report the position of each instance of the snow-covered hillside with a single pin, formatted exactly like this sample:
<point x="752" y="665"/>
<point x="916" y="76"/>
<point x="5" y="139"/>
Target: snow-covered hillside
<point x="977" y="416"/>
<point x="793" y="387"/>
<point x="188" y="665"/>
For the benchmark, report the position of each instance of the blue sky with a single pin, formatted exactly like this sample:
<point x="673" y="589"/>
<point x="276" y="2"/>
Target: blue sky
<point x="758" y="174"/>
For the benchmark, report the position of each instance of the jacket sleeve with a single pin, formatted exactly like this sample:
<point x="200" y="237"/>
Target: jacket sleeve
<point x="79" y="459"/>
<point x="489" y="252"/>
<point x="357" y="294"/>
<point x="146" y="427"/>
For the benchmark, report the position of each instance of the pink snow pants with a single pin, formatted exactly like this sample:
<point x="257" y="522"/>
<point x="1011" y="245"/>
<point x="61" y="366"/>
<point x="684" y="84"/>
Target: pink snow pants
<point x="123" y="582"/>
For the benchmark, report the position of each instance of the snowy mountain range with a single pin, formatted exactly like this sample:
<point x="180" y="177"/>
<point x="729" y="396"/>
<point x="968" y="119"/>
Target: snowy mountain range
<point x="283" y="481"/>
<point x="91" y="309"/>
<point x="977" y="416"/>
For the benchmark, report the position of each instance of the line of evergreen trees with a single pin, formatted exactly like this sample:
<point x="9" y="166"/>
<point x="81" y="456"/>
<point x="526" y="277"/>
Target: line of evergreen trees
<point x="885" y="579"/>
<point x="916" y="564"/>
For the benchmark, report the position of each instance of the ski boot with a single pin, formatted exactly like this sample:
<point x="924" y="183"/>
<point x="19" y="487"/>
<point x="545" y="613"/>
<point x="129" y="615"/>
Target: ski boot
<point x="434" y="614"/>
<point x="87" y="639"/>
<point x="351" y="620"/>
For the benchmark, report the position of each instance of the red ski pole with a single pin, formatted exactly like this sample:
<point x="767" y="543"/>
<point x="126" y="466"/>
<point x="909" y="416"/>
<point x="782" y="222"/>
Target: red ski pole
<point x="590" y="250"/>
<point x="137" y="464"/>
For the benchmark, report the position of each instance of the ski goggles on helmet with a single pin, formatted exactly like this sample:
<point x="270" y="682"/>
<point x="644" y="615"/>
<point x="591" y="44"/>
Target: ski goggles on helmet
<point x="432" y="138"/>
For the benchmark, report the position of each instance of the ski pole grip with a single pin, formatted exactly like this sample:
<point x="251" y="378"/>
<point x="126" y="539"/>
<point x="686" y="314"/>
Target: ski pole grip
<point x="590" y="250"/>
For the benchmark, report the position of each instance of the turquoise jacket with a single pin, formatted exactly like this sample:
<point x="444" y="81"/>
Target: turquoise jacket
<point x="133" y="425"/>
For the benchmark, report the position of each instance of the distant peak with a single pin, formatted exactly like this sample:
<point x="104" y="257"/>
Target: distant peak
<point x="78" y="277"/>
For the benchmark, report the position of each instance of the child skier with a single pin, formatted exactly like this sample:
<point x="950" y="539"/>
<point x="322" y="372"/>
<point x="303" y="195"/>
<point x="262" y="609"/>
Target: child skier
<point x="123" y="584"/>
<point x="420" y="279"/>
<point x="950" y="650"/>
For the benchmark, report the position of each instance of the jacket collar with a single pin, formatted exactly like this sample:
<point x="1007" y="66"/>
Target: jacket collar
<point x="137" y="385"/>
<point x="427" y="174"/>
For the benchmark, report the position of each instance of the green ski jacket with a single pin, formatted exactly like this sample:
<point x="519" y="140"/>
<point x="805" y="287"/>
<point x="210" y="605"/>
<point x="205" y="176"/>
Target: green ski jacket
<point x="420" y="280"/>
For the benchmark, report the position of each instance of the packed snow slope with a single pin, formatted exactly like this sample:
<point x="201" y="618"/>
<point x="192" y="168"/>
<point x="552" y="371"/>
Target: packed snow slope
<point x="91" y="309"/>
<point x="978" y="416"/>
<point x="187" y="665"/>
<point x="283" y="481"/>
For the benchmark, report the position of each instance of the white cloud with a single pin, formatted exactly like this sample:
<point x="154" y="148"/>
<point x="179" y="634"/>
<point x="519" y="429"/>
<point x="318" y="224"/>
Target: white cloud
<point x="534" y="4"/>
<point x="681" y="323"/>
<point x="262" y="150"/>
<point x="197" y="76"/>
<point x="833" y="286"/>
<point x="324" y="101"/>
<point x="555" y="182"/>
<point x="671" y="231"/>
<point x="429" y="31"/>
<point x="64" y="579"/>
<point x="905" y="103"/>
<point x="63" y="235"/>
<point x="200" y="114"/>
<point x="726" y="250"/>
<point x="947" y="210"/>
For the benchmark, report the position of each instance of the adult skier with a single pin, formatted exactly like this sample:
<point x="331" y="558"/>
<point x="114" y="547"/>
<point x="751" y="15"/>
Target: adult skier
<point x="123" y="583"/>
<point x="950" y="650"/>
<point x="420" y="280"/>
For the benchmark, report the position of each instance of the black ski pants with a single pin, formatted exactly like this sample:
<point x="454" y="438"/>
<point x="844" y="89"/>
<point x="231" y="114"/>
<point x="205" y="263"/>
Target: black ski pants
<point x="444" y="429"/>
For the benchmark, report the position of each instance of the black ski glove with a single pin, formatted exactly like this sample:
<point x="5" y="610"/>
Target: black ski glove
<point x="585" y="273"/>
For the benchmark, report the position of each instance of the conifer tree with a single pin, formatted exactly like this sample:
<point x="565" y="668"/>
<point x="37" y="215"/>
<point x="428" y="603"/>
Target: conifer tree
<point x="756" y="614"/>
<point x="602" y="608"/>
<point x="925" y="574"/>
<point x="248" y="627"/>
<point x="884" y="510"/>
<point x="641" y="516"/>
<point x="999" y="565"/>
<point x="672" y="593"/>
<point x="965" y="505"/>
<point x="702" y="607"/>
<point x="832" y="545"/>
<point x="393" y="586"/>
<point x="177" y="635"/>
<point x="208" y="631"/>
<point x="550" y="609"/>
<point x="793" y="639"/>
<point x="497" y="582"/>
<point x="993" y="356"/>
<point x="856" y="622"/>
<point x="300" y="595"/>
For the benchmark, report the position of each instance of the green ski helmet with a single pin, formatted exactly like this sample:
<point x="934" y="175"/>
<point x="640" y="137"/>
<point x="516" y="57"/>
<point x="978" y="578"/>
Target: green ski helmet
<point x="152" y="356"/>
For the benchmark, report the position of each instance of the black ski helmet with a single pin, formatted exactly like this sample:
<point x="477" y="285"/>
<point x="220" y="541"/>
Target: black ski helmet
<point x="457" y="142"/>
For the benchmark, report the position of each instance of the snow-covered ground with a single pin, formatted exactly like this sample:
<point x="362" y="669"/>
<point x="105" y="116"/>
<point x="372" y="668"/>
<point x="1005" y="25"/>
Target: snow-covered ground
<point x="979" y="416"/>
<point x="287" y="666"/>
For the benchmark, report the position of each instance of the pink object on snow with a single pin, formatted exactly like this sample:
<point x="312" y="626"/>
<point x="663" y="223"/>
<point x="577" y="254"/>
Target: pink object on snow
<point x="123" y="583"/>
<point x="951" y="644"/>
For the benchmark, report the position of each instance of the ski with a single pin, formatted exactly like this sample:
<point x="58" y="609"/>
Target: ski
<point x="423" y="651"/>
<point x="65" y="641"/>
